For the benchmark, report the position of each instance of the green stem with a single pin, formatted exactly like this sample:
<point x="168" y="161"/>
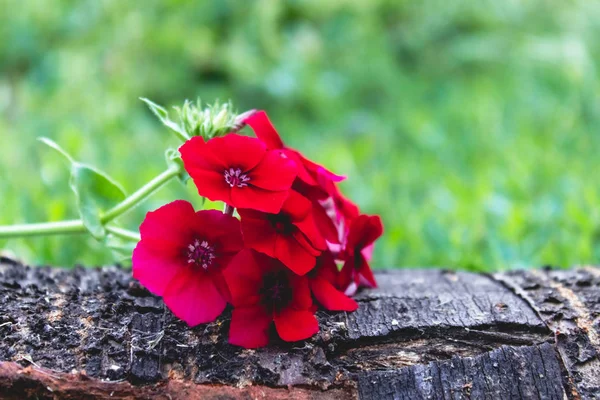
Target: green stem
<point x="141" y="194"/>
<point x="124" y="233"/>
<point x="46" y="228"/>
<point x="76" y="226"/>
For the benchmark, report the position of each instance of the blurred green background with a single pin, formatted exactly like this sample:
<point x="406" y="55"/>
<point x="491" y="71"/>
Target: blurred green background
<point x="472" y="127"/>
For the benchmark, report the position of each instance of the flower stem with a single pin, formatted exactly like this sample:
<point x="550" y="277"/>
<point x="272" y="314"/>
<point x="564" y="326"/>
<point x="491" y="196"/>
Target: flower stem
<point x="76" y="226"/>
<point x="228" y="210"/>
<point x="41" y="229"/>
<point x="141" y="194"/>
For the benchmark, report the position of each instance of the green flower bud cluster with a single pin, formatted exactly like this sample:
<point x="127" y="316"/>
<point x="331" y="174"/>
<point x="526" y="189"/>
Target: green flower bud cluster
<point x="211" y="121"/>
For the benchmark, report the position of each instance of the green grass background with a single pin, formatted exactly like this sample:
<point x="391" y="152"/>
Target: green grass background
<point x="472" y="127"/>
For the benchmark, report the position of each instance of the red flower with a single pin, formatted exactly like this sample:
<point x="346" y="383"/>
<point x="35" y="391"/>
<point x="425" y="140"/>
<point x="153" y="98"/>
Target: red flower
<point x="324" y="280"/>
<point x="181" y="257"/>
<point x="264" y="291"/>
<point x="240" y="171"/>
<point x="364" y="230"/>
<point x="291" y="236"/>
<point x="325" y="222"/>
<point x="344" y="208"/>
<point x="265" y="131"/>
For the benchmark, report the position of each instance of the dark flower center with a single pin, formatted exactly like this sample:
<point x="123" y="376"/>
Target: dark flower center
<point x="282" y="223"/>
<point x="234" y="177"/>
<point x="201" y="254"/>
<point x="276" y="293"/>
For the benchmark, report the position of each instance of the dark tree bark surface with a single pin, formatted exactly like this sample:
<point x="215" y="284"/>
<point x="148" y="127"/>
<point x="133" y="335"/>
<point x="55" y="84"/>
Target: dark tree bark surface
<point x="424" y="334"/>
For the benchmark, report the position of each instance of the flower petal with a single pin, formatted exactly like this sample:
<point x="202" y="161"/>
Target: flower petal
<point x="322" y="172"/>
<point x="364" y="273"/>
<point x="327" y="268"/>
<point x="258" y="233"/>
<point x="303" y="174"/>
<point x="367" y="252"/>
<point x="219" y="228"/>
<point x="237" y="151"/>
<point x="169" y="226"/>
<point x="221" y="285"/>
<point x="197" y="155"/>
<point x="347" y="279"/>
<point x="313" y="193"/>
<point x="305" y="243"/>
<point x="210" y="184"/>
<point x="325" y="224"/>
<point x="293" y="325"/>
<point x="296" y="206"/>
<point x="293" y="255"/>
<point x="331" y="298"/>
<point x="249" y="327"/>
<point x="274" y="172"/>
<point x="364" y="230"/>
<point x="154" y="270"/>
<point x="194" y="298"/>
<point x="308" y="227"/>
<point x="244" y="277"/>
<point x="251" y="197"/>
<point x="344" y="207"/>
<point x="301" y="299"/>
<point x="264" y="129"/>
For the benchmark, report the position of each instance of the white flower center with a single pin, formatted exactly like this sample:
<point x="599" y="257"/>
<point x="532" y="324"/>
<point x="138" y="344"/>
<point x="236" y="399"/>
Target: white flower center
<point x="201" y="254"/>
<point x="234" y="177"/>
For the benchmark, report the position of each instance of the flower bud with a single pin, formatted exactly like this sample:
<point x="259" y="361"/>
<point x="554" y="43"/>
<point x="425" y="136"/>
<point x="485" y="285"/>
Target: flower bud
<point x="209" y="121"/>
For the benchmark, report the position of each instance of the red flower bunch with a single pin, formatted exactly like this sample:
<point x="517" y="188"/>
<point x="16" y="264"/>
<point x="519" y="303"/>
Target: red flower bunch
<point x="278" y="262"/>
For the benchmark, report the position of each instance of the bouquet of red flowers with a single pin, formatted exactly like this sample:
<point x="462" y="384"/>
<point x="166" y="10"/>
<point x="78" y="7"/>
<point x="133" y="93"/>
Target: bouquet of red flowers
<point x="277" y="262"/>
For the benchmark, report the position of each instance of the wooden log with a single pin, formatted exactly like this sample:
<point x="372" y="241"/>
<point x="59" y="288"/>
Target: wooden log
<point x="424" y="334"/>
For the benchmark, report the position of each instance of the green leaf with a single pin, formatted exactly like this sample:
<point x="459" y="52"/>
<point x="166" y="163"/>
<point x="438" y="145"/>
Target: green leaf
<point x="95" y="191"/>
<point x="163" y="116"/>
<point x="53" y="145"/>
<point x="120" y="246"/>
<point x="121" y="249"/>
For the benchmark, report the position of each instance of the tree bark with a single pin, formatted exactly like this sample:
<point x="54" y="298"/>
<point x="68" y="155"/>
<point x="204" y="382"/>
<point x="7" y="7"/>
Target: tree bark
<point x="424" y="334"/>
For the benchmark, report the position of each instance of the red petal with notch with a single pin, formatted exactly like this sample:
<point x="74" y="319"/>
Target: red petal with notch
<point x="197" y="155"/>
<point x="237" y="151"/>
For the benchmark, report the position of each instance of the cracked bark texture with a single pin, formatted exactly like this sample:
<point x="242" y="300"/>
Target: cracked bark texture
<point x="424" y="334"/>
